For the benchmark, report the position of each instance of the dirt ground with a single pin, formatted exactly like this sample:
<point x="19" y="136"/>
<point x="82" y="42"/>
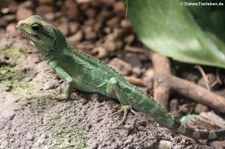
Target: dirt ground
<point x="30" y="117"/>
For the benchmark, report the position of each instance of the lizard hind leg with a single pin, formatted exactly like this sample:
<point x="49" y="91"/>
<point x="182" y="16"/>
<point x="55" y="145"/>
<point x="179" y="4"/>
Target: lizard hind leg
<point x="113" y="89"/>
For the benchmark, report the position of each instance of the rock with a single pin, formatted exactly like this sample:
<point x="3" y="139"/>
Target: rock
<point x="83" y="1"/>
<point x="148" y="78"/>
<point x="129" y="39"/>
<point x="117" y="33"/>
<point x="3" y="22"/>
<point x="214" y="118"/>
<point x="125" y="23"/>
<point x="11" y="28"/>
<point x="119" y="44"/>
<point x="4" y="143"/>
<point x="164" y="144"/>
<point x="86" y="28"/>
<point x="109" y="43"/>
<point x="113" y="22"/>
<point x="90" y="22"/>
<point x="46" y="2"/>
<point x="109" y="46"/>
<point x="100" y="52"/>
<point x="27" y="4"/>
<point x="132" y="59"/>
<point x="50" y="16"/>
<point x="75" y="38"/>
<point x="97" y="26"/>
<point x="23" y="12"/>
<point x="137" y="71"/>
<point x="9" y="17"/>
<point x="121" y="66"/>
<point x="5" y="3"/>
<point x="200" y="108"/>
<point x="107" y="2"/>
<point x="103" y="15"/>
<point x="218" y="144"/>
<point x="5" y="10"/>
<point x="118" y="7"/>
<point x="149" y="73"/>
<point x="13" y="8"/>
<point x="90" y="13"/>
<point x="64" y="28"/>
<point x="44" y="10"/>
<point x="73" y="27"/>
<point x="71" y="9"/>
<point x="107" y="30"/>
<point x="90" y="36"/>
<point x="30" y="136"/>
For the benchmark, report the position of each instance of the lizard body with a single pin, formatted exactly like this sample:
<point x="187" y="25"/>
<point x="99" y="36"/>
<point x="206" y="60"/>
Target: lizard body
<point x="88" y="74"/>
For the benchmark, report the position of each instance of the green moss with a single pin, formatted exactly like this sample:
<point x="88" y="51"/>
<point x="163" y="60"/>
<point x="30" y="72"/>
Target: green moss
<point x="11" y="76"/>
<point x="12" y="52"/>
<point x="67" y="135"/>
<point x="8" y="63"/>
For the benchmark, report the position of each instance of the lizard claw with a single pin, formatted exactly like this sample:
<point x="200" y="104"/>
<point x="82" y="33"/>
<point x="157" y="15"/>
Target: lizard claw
<point x="125" y="109"/>
<point x="61" y="97"/>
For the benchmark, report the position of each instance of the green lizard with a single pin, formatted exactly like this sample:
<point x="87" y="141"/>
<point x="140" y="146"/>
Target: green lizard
<point x="88" y="74"/>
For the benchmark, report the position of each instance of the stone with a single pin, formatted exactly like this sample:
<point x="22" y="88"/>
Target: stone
<point x="46" y="2"/>
<point x="75" y="38"/>
<point x="121" y="66"/>
<point x="71" y="9"/>
<point x="43" y="10"/>
<point x="118" y="7"/>
<point x="23" y="12"/>
<point x="73" y="27"/>
<point x="11" y="28"/>
<point x="200" y="108"/>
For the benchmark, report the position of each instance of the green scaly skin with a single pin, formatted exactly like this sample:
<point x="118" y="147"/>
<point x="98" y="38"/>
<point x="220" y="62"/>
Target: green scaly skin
<point x="88" y="74"/>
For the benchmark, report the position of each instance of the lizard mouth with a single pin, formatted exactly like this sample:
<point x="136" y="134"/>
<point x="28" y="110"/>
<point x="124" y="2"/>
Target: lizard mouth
<point x="30" y="36"/>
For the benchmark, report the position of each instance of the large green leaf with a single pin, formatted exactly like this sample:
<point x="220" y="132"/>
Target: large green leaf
<point x="193" y="34"/>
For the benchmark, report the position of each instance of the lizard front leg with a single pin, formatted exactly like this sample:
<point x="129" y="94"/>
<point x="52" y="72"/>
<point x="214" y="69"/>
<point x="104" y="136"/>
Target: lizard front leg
<point x="66" y="77"/>
<point x="113" y="89"/>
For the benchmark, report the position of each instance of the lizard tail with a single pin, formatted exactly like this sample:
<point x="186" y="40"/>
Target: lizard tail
<point x="196" y="133"/>
<point x="149" y="106"/>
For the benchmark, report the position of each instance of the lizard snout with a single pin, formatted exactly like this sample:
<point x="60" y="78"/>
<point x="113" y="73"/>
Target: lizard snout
<point x="20" y="24"/>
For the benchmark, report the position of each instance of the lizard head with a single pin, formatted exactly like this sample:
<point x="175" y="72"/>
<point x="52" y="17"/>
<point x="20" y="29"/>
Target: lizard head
<point x="46" y="37"/>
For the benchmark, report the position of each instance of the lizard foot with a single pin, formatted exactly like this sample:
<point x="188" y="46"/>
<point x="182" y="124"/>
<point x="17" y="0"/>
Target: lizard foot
<point x="125" y="109"/>
<point x="59" y="97"/>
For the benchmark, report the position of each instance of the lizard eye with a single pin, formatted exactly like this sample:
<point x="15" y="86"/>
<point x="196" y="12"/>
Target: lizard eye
<point x="36" y="27"/>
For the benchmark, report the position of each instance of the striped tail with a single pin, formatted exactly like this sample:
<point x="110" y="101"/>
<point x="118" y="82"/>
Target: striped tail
<point x="196" y="133"/>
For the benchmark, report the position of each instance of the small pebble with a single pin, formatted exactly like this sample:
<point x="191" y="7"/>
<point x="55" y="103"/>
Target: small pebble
<point x="11" y="28"/>
<point x="46" y="2"/>
<point x="23" y="13"/>
<point x="75" y="38"/>
<point x="200" y="108"/>
<point x="71" y="9"/>
<point x="113" y="22"/>
<point x="118" y="7"/>
<point x="30" y="136"/>
<point x="164" y="144"/>
<point x="121" y="66"/>
<point x="43" y="10"/>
